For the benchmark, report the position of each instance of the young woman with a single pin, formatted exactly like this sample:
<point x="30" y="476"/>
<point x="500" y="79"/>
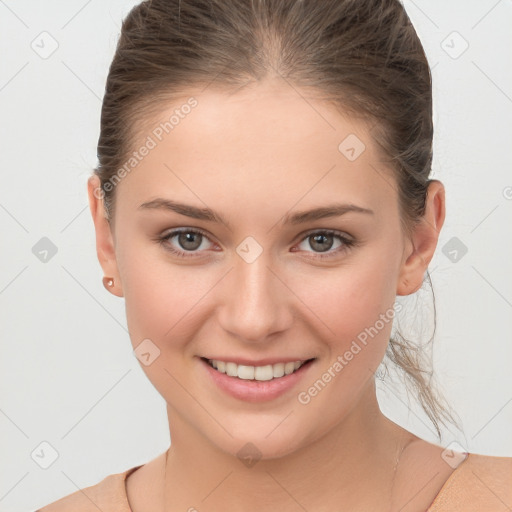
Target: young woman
<point x="261" y="199"/>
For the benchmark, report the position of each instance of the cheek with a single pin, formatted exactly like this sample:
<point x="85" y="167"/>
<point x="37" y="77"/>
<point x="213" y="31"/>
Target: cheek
<point x="357" y="306"/>
<point x="162" y="303"/>
<point x="160" y="297"/>
<point x="352" y="298"/>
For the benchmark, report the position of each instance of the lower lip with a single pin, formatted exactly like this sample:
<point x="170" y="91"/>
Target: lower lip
<point x="256" y="390"/>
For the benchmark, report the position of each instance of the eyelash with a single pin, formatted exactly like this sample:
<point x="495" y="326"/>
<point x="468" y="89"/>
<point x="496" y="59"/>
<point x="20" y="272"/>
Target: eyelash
<point x="347" y="242"/>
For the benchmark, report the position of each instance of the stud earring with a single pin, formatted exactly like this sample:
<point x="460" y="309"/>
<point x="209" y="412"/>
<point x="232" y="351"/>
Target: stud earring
<point x="108" y="282"/>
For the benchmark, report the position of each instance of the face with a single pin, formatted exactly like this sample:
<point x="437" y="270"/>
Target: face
<point x="257" y="281"/>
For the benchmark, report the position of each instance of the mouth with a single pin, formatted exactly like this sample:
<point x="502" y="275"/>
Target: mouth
<point x="260" y="373"/>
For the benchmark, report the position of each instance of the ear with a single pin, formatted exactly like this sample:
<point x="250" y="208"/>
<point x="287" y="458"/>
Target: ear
<point x="421" y="246"/>
<point x="105" y="247"/>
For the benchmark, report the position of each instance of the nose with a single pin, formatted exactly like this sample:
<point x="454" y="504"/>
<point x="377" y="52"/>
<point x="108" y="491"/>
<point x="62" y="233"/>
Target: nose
<point x="257" y="304"/>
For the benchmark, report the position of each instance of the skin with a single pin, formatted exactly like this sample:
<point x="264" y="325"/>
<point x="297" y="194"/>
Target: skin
<point x="253" y="157"/>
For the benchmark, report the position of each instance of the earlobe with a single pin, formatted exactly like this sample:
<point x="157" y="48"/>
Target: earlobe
<point x="105" y="248"/>
<point x="422" y="245"/>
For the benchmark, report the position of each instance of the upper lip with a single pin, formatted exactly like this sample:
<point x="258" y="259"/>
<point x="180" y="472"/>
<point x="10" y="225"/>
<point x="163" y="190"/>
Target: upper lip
<point x="259" y="362"/>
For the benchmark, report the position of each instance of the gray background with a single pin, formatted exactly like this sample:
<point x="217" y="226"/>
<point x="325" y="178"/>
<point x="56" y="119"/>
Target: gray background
<point x="68" y="376"/>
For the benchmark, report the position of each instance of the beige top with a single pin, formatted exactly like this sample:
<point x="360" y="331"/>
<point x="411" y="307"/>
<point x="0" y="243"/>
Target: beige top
<point x="481" y="483"/>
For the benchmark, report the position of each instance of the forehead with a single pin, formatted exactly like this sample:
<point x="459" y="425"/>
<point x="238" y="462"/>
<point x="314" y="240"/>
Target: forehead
<point x="268" y="141"/>
<point x="273" y="113"/>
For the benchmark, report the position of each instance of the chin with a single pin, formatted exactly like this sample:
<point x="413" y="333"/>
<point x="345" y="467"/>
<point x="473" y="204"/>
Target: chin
<point x="256" y="441"/>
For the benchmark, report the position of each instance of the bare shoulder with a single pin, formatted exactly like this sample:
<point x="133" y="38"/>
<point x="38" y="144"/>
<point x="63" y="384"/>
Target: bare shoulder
<point x="443" y="480"/>
<point x="498" y="467"/>
<point x="421" y="474"/>
<point x="482" y="482"/>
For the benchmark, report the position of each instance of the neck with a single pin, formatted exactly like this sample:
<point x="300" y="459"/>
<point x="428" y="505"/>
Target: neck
<point x="353" y="464"/>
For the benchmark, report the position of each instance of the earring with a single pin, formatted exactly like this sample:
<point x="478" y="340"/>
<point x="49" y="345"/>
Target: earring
<point x="108" y="282"/>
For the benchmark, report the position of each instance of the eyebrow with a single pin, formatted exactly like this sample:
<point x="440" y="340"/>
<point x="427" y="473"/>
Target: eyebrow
<point x="333" y="210"/>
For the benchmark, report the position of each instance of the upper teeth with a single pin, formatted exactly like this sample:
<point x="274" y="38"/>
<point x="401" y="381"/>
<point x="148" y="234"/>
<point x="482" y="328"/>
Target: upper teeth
<point x="267" y="372"/>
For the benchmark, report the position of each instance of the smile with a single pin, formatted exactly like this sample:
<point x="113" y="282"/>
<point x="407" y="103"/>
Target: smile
<point x="261" y="373"/>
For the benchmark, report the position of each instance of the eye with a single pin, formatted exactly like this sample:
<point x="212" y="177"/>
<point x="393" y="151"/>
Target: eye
<point x="323" y="241"/>
<point x="188" y="242"/>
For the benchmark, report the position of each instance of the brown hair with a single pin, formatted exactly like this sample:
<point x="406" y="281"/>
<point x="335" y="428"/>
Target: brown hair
<point x="363" y="56"/>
